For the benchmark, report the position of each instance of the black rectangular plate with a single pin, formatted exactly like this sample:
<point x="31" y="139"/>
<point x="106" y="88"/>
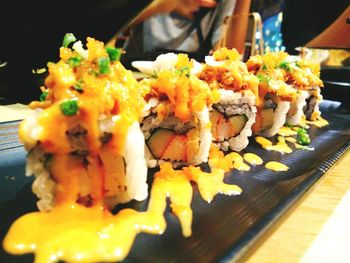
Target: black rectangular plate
<point x="222" y="230"/>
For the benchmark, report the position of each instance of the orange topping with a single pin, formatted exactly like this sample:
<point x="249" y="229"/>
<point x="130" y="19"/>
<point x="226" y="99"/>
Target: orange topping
<point x="226" y="54"/>
<point x="184" y="93"/>
<point x="231" y="75"/>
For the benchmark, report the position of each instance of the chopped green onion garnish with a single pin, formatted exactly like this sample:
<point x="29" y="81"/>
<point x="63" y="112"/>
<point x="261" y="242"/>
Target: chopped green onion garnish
<point x="184" y="70"/>
<point x="103" y="65"/>
<point x="113" y="53"/>
<point x="69" y="107"/>
<point x="263" y="78"/>
<point x="68" y="38"/>
<point x="43" y="96"/>
<point x="301" y="131"/>
<point x="285" y="65"/>
<point x="155" y="74"/>
<point x="302" y="137"/>
<point x="74" y="61"/>
<point x="79" y="85"/>
<point x="264" y="67"/>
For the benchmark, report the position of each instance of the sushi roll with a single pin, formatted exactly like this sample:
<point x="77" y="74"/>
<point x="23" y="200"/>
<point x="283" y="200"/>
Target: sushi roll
<point x="275" y="95"/>
<point x="84" y="140"/>
<point x="234" y="114"/>
<point x="304" y="76"/>
<point x="176" y="121"/>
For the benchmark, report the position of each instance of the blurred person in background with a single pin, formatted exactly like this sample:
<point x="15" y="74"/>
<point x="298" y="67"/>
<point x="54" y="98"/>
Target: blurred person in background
<point x="190" y="26"/>
<point x="35" y="29"/>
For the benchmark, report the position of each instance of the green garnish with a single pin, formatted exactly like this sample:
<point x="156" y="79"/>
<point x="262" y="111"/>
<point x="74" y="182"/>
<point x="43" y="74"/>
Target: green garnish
<point x="264" y="67"/>
<point x="68" y="38"/>
<point x="43" y="96"/>
<point x="103" y="65"/>
<point x="263" y="78"/>
<point x="79" y="85"/>
<point x="302" y="137"/>
<point x="297" y="64"/>
<point x="113" y="53"/>
<point x="285" y="65"/>
<point x="155" y="74"/>
<point x="184" y="70"/>
<point x="69" y="107"/>
<point x="39" y="71"/>
<point x="301" y="131"/>
<point x="74" y="61"/>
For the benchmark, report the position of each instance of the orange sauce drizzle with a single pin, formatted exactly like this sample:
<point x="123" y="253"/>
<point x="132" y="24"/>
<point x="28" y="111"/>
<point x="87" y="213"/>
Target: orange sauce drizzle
<point x="75" y="233"/>
<point x="185" y="93"/>
<point x="217" y="159"/>
<point x="320" y="122"/>
<point x="286" y="131"/>
<point x="281" y="146"/>
<point x="252" y="159"/>
<point x="297" y="145"/>
<point x="276" y="166"/>
<point x="52" y="236"/>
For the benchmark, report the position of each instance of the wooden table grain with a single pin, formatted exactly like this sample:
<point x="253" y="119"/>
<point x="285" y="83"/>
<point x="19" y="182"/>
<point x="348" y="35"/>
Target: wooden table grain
<point x="309" y="231"/>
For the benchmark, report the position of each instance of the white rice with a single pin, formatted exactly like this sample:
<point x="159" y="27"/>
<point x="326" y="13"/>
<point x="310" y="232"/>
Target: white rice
<point x="43" y="186"/>
<point x="279" y="118"/>
<point x="136" y="167"/>
<point x="165" y="62"/>
<point x="241" y="141"/>
<point x="319" y="100"/>
<point x="298" y="106"/>
<point x="205" y="137"/>
<point x="246" y="100"/>
<point x="34" y="130"/>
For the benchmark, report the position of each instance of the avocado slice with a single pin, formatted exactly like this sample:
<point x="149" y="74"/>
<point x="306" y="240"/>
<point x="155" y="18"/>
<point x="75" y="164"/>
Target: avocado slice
<point x="238" y="122"/>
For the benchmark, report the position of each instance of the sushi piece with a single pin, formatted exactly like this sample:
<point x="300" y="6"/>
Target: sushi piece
<point x="275" y="95"/>
<point x="304" y="76"/>
<point x="233" y="115"/>
<point x="176" y="121"/>
<point x="84" y="140"/>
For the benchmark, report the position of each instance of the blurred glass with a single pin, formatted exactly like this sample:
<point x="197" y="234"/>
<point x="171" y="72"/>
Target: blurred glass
<point x="248" y="40"/>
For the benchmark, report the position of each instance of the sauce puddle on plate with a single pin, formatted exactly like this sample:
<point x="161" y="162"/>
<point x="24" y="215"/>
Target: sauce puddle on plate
<point x="102" y="236"/>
